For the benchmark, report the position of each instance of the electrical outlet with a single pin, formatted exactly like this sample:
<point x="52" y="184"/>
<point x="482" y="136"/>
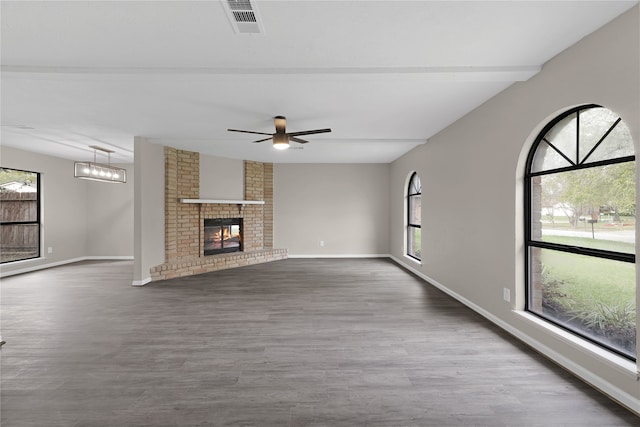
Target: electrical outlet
<point x="322" y="243"/>
<point x="50" y="250"/>
<point x="506" y="294"/>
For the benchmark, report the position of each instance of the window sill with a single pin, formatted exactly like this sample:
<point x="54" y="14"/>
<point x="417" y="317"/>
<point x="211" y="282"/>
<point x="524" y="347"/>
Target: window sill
<point x="623" y="365"/>
<point x="412" y="259"/>
<point x="23" y="261"/>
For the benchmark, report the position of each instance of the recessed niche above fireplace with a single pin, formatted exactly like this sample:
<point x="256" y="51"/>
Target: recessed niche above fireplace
<point x="222" y="235"/>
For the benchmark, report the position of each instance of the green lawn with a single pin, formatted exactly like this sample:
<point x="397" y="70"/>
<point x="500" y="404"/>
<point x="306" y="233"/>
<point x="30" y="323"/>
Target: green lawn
<point x="595" y="295"/>
<point x="585" y="279"/>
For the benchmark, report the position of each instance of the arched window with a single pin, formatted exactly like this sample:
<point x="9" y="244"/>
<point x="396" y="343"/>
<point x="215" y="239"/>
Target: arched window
<point x="414" y="213"/>
<point x="580" y="227"/>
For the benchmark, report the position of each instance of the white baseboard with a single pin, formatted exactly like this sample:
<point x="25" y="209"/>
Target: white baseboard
<point x="340" y="256"/>
<point x="624" y="398"/>
<point x="141" y="282"/>
<point x="59" y="263"/>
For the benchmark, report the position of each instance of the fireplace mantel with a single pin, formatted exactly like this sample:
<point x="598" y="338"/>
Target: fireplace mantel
<point x="220" y="202"/>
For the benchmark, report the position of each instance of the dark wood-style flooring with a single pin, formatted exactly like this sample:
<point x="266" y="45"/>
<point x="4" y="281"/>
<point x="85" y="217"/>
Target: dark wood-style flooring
<point x="291" y="343"/>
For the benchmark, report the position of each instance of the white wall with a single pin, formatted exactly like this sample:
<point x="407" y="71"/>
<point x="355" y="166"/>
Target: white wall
<point x="472" y="201"/>
<point x="343" y="205"/>
<point x="75" y="222"/>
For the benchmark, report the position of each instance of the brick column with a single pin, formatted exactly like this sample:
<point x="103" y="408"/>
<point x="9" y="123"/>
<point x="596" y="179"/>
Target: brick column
<point x="268" y="206"/>
<point x="182" y="221"/>
<point x="252" y="226"/>
<point x="189" y="223"/>
<point x="171" y="204"/>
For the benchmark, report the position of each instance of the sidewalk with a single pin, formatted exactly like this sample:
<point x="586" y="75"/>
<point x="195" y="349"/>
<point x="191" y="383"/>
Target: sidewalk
<point x="627" y="236"/>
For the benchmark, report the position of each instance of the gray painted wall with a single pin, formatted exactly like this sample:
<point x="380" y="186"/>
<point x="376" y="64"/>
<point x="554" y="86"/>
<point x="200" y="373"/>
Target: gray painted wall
<point x="79" y="218"/>
<point x="148" y="209"/>
<point x="110" y="217"/>
<point x="221" y="178"/>
<point x="472" y="201"/>
<point x="343" y="205"/>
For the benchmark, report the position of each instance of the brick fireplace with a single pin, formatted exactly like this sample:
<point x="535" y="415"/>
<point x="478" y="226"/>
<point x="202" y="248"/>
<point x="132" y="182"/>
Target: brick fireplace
<point x="184" y="220"/>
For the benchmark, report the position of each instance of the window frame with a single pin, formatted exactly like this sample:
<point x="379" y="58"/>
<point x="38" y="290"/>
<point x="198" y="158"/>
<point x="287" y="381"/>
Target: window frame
<point x="412" y="226"/>
<point x="37" y="221"/>
<point x="528" y="217"/>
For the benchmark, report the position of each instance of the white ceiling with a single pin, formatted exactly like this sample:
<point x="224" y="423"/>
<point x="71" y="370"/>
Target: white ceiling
<point x="384" y="75"/>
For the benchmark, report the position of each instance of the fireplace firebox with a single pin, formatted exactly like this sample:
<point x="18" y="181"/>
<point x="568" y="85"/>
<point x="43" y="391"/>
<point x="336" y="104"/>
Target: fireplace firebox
<point x="222" y="235"/>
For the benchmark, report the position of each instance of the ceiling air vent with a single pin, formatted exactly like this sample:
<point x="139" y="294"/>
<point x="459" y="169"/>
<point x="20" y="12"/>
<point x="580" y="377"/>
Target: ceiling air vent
<point x="244" y="16"/>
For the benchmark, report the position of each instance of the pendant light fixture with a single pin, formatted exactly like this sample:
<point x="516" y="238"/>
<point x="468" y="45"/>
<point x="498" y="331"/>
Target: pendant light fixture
<point x="99" y="171"/>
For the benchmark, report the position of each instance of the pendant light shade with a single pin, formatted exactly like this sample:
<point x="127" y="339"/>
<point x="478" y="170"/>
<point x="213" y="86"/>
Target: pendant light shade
<point x="98" y="171"/>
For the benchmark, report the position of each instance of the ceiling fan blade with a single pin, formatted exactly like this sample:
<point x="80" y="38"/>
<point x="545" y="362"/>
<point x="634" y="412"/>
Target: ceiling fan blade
<point x="281" y="124"/>
<point x="298" y="140"/>
<point x="309" y="132"/>
<point x="262" y="140"/>
<point x="249" y="131"/>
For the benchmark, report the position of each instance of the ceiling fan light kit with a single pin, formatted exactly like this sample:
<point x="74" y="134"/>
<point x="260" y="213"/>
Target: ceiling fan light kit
<point x="280" y="142"/>
<point x="281" y="139"/>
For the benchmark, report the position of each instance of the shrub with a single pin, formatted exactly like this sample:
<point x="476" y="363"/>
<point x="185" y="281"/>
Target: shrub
<point x="616" y="322"/>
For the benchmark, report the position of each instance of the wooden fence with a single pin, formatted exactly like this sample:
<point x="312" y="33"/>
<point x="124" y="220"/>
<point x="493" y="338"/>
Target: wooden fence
<point x="18" y="240"/>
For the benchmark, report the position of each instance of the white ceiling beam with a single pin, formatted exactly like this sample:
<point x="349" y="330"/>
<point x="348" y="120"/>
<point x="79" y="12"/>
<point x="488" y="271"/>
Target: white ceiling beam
<point x="453" y="73"/>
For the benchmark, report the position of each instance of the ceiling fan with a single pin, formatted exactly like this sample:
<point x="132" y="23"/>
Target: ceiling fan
<point x="281" y="138"/>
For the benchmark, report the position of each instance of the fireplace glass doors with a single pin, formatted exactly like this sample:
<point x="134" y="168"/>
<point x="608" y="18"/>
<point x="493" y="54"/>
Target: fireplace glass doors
<point x="222" y="235"/>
